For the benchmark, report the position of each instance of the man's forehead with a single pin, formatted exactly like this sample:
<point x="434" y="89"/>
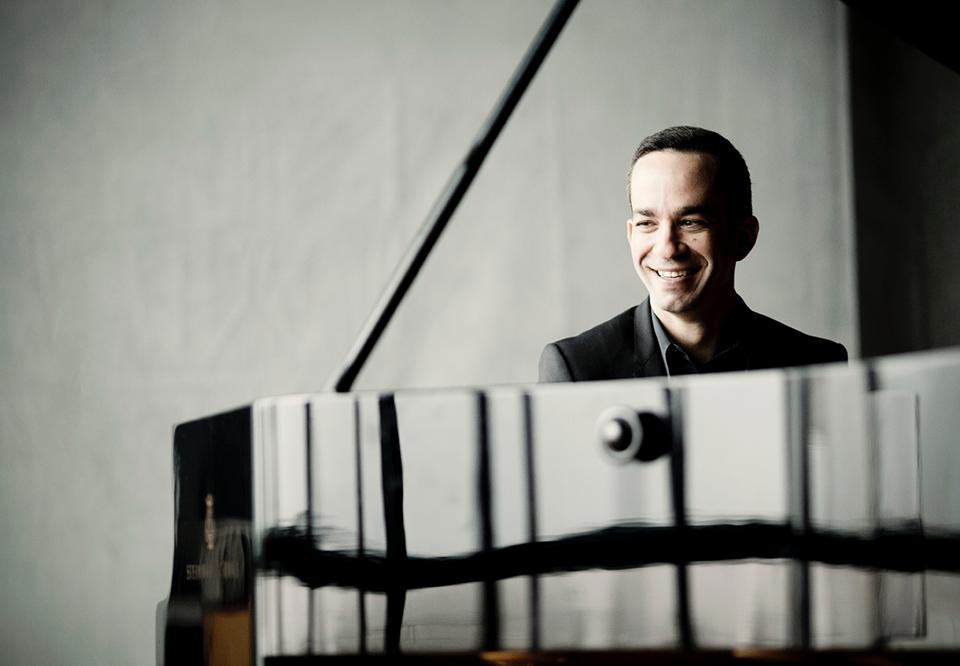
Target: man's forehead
<point x="674" y="163"/>
<point x="672" y="178"/>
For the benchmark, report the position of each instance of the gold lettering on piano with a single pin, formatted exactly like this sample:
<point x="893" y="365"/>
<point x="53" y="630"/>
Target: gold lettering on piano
<point x="209" y="527"/>
<point x="225" y="569"/>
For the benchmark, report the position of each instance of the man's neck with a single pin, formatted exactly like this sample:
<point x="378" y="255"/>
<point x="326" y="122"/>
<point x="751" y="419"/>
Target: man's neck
<point x="698" y="333"/>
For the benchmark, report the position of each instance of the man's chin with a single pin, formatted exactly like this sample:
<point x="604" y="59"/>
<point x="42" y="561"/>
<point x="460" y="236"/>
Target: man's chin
<point x="676" y="306"/>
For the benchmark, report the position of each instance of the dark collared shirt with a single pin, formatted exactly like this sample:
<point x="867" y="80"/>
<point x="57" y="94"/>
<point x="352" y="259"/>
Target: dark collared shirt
<point x="732" y="355"/>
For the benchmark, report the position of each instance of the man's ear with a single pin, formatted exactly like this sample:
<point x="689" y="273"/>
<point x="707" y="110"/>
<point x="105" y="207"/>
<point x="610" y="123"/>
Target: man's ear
<point x="746" y="237"/>
<point x="629" y="229"/>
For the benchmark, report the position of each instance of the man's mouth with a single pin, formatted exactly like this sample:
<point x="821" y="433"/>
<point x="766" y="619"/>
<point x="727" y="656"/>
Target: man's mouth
<point x="675" y="274"/>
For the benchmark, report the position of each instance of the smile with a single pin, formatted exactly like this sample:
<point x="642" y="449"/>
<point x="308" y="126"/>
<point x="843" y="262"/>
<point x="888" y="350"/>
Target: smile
<point x="675" y="274"/>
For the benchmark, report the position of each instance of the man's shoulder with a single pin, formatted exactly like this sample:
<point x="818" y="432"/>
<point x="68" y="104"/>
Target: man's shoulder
<point x="614" y="329"/>
<point x="779" y="345"/>
<point x="604" y="351"/>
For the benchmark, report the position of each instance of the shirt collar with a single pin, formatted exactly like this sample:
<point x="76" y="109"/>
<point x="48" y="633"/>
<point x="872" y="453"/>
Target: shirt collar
<point x="663" y="338"/>
<point x="730" y="334"/>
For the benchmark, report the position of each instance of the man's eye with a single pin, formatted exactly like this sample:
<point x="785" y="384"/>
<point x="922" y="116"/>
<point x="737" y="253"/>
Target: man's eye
<point x="644" y="224"/>
<point x="691" y="224"/>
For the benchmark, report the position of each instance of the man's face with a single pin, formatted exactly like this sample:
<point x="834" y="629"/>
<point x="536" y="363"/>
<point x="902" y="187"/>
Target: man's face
<point x="684" y="247"/>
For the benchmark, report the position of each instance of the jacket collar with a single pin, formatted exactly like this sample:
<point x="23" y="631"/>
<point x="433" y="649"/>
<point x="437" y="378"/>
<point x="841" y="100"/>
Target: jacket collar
<point x="647" y="360"/>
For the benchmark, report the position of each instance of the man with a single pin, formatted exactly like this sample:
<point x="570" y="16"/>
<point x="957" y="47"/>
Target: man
<point x="691" y="222"/>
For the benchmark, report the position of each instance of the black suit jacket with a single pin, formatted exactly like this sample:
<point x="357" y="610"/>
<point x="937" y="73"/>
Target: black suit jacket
<point x="626" y="346"/>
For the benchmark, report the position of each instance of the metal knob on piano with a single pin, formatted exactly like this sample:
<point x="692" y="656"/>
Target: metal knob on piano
<point x="626" y="434"/>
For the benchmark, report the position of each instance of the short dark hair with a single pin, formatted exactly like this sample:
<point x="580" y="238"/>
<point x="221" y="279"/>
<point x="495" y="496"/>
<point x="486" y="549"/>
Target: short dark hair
<point x="732" y="173"/>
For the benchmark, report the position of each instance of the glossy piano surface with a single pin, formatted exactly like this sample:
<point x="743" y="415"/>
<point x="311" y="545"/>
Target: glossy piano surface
<point x="788" y="510"/>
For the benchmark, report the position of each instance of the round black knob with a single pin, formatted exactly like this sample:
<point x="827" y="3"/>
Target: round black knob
<point x="617" y="434"/>
<point x="626" y="434"/>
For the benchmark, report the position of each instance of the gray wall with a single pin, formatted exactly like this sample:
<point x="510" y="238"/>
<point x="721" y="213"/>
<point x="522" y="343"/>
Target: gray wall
<point x="199" y="203"/>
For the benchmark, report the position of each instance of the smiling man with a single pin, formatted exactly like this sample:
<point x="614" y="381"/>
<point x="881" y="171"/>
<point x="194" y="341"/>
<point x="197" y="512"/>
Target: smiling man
<point x="691" y="222"/>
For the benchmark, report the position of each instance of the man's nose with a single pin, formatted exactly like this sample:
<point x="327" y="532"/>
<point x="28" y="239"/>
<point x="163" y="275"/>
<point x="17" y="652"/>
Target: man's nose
<point x="669" y="242"/>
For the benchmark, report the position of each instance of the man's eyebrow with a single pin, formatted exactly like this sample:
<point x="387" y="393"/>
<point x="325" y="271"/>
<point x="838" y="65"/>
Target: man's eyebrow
<point x="703" y="209"/>
<point x="697" y="210"/>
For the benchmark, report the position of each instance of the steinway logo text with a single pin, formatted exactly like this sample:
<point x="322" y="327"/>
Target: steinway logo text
<point x="226" y="569"/>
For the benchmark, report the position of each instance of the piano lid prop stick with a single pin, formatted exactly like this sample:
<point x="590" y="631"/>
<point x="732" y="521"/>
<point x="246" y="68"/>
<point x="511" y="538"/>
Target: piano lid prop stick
<point x="450" y="198"/>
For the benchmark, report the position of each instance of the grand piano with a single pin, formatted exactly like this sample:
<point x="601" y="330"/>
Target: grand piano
<point x="797" y="511"/>
<point x="802" y="514"/>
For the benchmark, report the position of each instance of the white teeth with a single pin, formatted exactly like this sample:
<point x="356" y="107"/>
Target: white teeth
<point x="672" y="274"/>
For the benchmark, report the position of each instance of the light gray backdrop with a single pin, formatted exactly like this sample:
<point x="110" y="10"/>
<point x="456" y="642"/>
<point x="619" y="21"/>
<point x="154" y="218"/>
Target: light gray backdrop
<point x="199" y="203"/>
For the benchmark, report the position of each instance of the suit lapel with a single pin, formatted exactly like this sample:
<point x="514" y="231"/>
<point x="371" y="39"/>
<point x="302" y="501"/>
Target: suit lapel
<point x="647" y="360"/>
